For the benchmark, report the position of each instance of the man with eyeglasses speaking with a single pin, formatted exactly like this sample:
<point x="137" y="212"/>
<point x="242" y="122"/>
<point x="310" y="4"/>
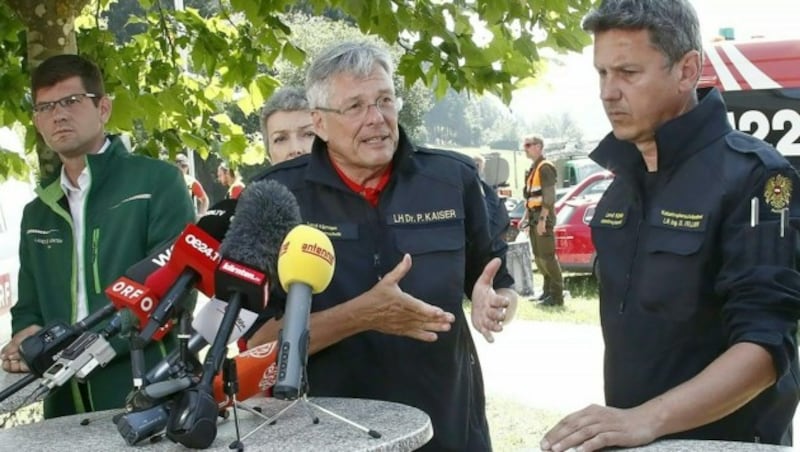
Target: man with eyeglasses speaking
<point x="103" y="211"/>
<point x="411" y="238"/>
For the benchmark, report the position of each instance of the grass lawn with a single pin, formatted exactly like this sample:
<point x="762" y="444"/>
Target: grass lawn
<point x="515" y="426"/>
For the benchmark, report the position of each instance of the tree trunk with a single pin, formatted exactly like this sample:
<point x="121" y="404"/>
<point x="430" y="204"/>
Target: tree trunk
<point x="51" y="31"/>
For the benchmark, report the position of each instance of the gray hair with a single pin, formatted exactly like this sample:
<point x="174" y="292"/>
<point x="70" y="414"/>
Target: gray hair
<point x="357" y="58"/>
<point x="287" y="98"/>
<point x="673" y="24"/>
<point x="534" y="138"/>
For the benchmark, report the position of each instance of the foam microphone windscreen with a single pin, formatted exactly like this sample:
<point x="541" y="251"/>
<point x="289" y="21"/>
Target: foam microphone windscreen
<point x="265" y="213"/>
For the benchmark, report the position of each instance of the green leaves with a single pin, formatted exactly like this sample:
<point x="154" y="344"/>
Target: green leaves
<point x="177" y="74"/>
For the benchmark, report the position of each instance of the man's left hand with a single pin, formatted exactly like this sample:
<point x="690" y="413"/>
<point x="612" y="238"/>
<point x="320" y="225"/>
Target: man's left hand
<point x="541" y="227"/>
<point x="597" y="427"/>
<point x="491" y="310"/>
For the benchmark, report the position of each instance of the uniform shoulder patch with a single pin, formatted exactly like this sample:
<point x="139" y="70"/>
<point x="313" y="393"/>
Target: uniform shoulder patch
<point x="778" y="192"/>
<point x="747" y="144"/>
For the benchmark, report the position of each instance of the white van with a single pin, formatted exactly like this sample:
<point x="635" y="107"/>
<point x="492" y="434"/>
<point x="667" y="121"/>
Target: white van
<point x="14" y="195"/>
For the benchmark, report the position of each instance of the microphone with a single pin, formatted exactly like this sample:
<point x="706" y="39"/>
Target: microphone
<point x="194" y="257"/>
<point x="265" y="213"/>
<point x="256" y="371"/>
<point x="126" y="293"/>
<point x="305" y="266"/>
<point x="191" y="263"/>
<point x="39" y="350"/>
<point x="86" y="353"/>
<point x="215" y="222"/>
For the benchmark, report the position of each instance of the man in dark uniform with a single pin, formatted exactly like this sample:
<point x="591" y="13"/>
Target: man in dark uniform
<point x="540" y="218"/>
<point x="696" y="239"/>
<point x="411" y="236"/>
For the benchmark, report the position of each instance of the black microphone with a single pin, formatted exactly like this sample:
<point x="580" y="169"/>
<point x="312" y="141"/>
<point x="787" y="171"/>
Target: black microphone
<point x="39" y="349"/>
<point x="83" y="355"/>
<point x="266" y="212"/>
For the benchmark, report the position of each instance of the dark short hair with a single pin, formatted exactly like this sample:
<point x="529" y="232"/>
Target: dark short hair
<point x="62" y="67"/>
<point x="673" y="24"/>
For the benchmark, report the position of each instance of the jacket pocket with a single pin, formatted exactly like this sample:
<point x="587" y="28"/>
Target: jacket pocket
<point x="438" y="261"/>
<point x="673" y="276"/>
<point x="430" y="240"/>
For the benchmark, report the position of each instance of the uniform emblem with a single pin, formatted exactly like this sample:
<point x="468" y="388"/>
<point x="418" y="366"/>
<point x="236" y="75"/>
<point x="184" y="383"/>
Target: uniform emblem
<point x="778" y="191"/>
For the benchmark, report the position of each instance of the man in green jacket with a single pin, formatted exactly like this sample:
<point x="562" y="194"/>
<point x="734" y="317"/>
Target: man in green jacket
<point x="104" y="210"/>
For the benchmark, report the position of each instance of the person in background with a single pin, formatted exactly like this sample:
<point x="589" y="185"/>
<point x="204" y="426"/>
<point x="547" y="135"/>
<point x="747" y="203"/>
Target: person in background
<point x="696" y="240"/>
<point x="104" y="210"/>
<point x="411" y="236"/>
<point x="499" y="221"/>
<point x="196" y="192"/>
<point x="230" y="179"/>
<point x="540" y="218"/>
<point x="286" y="126"/>
<point x="480" y="163"/>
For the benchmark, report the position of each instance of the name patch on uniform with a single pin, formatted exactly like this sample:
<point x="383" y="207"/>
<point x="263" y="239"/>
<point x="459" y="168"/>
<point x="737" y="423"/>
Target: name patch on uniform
<point x="337" y="231"/>
<point x="43" y="237"/>
<point x="422" y="217"/>
<point x="682" y="220"/>
<point x="613" y="219"/>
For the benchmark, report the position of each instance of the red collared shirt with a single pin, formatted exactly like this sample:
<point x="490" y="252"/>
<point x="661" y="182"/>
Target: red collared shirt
<point x="370" y="194"/>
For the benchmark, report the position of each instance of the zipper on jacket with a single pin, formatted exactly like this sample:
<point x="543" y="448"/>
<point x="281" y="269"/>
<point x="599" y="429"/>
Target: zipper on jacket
<point x="95" y="254"/>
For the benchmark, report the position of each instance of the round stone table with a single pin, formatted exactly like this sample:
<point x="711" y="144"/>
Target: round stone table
<point x="402" y="428"/>
<point x="707" y="446"/>
<point x="17" y="399"/>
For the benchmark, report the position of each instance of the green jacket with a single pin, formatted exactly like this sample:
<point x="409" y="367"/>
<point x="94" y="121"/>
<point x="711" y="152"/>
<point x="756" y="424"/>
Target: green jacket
<point x="134" y="204"/>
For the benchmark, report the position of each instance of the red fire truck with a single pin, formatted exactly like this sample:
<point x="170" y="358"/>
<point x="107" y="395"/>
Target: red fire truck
<point x="760" y="82"/>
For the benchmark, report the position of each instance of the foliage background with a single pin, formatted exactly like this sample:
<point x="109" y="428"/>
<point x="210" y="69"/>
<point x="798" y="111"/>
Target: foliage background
<point x="174" y="74"/>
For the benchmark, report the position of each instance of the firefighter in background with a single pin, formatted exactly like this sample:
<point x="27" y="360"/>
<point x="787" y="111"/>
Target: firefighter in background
<point x="230" y="179"/>
<point x="540" y="217"/>
<point x="198" y="194"/>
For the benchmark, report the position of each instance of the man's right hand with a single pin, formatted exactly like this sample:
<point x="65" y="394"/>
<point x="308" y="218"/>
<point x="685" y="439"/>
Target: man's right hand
<point x="12" y="361"/>
<point x="386" y="308"/>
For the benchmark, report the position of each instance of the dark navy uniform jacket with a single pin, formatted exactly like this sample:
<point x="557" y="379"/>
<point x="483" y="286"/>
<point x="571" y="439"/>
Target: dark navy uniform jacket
<point x="684" y="275"/>
<point x="433" y="209"/>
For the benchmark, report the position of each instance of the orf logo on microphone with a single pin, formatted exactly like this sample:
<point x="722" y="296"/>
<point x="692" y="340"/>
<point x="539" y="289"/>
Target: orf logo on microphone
<point x="130" y="293"/>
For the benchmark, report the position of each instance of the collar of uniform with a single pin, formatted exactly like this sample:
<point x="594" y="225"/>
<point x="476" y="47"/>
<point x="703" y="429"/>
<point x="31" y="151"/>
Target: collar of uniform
<point x="370" y="194"/>
<point x="95" y="162"/>
<point x="84" y="178"/>
<point x="676" y="140"/>
<point x="320" y="169"/>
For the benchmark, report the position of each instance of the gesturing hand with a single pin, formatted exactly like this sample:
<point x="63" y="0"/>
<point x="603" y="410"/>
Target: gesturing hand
<point x="489" y="309"/>
<point x="386" y="308"/>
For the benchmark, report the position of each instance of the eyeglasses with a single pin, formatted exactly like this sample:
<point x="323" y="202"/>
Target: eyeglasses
<point x="66" y="103"/>
<point x="386" y="105"/>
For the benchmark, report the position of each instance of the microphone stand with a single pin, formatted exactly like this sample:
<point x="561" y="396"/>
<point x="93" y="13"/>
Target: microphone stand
<point x="309" y="406"/>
